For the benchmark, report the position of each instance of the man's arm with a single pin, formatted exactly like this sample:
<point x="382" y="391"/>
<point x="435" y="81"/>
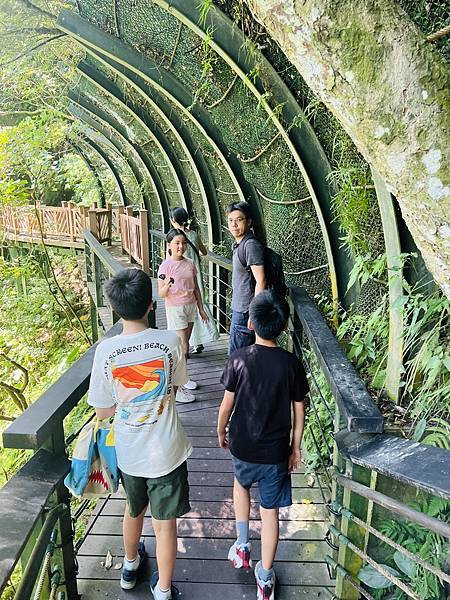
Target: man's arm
<point x="260" y="278"/>
<point x="105" y="413"/>
<point x="226" y="408"/>
<point x="298" y="425"/>
<point x="201" y="247"/>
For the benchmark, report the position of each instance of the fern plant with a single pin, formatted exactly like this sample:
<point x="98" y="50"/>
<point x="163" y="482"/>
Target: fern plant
<point x="423" y="543"/>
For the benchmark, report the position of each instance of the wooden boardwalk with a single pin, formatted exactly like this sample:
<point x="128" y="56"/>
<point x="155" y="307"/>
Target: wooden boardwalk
<point x="205" y="534"/>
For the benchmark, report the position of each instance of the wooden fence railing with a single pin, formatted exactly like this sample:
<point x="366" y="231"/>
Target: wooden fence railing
<point x="57" y="225"/>
<point x="134" y="236"/>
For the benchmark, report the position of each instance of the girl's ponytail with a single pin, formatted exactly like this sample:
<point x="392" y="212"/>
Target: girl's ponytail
<point x="179" y="215"/>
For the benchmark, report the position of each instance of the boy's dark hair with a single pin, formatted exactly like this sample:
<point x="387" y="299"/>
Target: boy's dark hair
<point x="129" y="293"/>
<point x="179" y="215"/>
<point x="269" y="314"/>
<point x="244" y="207"/>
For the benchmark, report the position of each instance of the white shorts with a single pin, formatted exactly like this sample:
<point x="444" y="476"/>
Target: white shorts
<point x="178" y="317"/>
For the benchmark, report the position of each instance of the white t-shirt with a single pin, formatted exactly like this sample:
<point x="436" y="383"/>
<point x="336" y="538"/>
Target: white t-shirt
<point x="137" y="373"/>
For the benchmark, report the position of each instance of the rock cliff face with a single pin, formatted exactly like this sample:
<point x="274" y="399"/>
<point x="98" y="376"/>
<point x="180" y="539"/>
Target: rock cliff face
<point x="390" y="90"/>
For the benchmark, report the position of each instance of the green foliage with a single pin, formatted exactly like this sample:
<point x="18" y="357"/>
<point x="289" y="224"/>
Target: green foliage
<point x="421" y="542"/>
<point x="35" y="334"/>
<point x="78" y="180"/>
<point x="204" y="8"/>
<point x="33" y="96"/>
<point x="319" y="422"/>
<point x="354" y="204"/>
<point x="37" y="63"/>
<point x="374" y="579"/>
<point x="28" y="158"/>
<point x="438" y="433"/>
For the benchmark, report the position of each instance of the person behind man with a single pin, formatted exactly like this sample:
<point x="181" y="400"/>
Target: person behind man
<point x="248" y="277"/>
<point x="262" y="384"/>
<point x="203" y="332"/>
<point x="134" y="377"/>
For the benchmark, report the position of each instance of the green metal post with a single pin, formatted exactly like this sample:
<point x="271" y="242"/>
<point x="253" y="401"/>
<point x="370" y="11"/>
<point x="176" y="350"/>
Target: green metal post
<point x="66" y="552"/>
<point x="98" y="282"/>
<point x="356" y="534"/>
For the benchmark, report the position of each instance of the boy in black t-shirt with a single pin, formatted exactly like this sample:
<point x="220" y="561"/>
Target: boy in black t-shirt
<point x="262" y="383"/>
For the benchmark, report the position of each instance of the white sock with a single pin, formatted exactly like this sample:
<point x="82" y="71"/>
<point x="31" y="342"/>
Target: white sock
<point x="131" y="565"/>
<point x="162" y="594"/>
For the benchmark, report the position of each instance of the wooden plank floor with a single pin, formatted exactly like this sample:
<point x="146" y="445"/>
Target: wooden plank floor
<point x="205" y="534"/>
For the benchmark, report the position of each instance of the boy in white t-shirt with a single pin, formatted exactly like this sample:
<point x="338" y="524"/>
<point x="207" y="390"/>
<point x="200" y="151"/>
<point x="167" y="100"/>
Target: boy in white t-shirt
<point x="134" y="377"/>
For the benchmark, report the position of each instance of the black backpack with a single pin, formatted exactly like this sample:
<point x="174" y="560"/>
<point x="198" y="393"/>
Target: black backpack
<point x="273" y="268"/>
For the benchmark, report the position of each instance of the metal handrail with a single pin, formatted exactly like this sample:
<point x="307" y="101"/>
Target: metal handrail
<point x="395" y="506"/>
<point x="33" y="567"/>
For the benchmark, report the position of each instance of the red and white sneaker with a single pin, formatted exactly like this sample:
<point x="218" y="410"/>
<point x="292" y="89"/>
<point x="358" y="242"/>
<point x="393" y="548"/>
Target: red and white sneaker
<point x="239" y="555"/>
<point x="265" y="590"/>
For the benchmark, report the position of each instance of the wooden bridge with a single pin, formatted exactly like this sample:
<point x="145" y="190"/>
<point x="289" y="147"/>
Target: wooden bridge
<point x="319" y="538"/>
<point x="206" y="533"/>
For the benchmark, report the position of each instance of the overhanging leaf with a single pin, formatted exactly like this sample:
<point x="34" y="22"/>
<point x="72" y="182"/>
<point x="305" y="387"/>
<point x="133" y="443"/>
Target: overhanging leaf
<point x="405" y="564"/>
<point x="371" y="577"/>
<point x="419" y="430"/>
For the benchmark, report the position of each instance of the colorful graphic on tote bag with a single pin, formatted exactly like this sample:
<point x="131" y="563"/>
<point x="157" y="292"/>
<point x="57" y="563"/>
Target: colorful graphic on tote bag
<point x="94" y="469"/>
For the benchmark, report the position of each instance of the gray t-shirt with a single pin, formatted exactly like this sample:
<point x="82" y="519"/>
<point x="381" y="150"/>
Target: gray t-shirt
<point x="241" y="281"/>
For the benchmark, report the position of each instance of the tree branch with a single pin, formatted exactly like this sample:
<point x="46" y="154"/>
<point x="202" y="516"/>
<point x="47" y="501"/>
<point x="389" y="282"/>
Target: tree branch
<point x="16" y="395"/>
<point x="37" y="9"/>
<point x="30" y="50"/>
<point x="67" y="307"/>
<point x="39" y="30"/>
<point x="6" y="418"/>
<point x="17" y="365"/>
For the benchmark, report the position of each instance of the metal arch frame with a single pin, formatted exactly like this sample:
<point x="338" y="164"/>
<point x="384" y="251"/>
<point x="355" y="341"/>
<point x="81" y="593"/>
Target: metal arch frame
<point x="162" y="81"/>
<point x="136" y="155"/>
<point x="395" y="286"/>
<point x="109" y="165"/>
<point x="188" y="14"/>
<point x="138" y="160"/>
<point x="183" y="137"/>
<point x="111" y="119"/>
<point x="102" y="82"/>
<point x="103" y="145"/>
<point x="93" y="170"/>
<point x="104" y="142"/>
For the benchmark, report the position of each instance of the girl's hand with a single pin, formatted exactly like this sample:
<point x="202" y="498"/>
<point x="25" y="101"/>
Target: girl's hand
<point x="203" y="314"/>
<point x="295" y="458"/>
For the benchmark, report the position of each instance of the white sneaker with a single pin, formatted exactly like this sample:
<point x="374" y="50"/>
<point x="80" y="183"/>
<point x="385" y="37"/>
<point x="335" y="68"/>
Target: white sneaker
<point x="184" y="397"/>
<point x="190" y="385"/>
<point x="265" y="590"/>
<point x="239" y="555"/>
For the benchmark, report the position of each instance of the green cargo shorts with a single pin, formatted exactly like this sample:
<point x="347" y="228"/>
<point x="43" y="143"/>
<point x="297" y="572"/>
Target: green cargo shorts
<point x="168" y="495"/>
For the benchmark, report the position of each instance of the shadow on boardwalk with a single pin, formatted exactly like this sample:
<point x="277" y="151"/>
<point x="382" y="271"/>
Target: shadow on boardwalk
<point x="206" y="533"/>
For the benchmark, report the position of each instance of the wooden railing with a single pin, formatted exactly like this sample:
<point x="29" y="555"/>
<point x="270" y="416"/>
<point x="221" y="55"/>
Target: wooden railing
<point x="134" y="236"/>
<point x="56" y="225"/>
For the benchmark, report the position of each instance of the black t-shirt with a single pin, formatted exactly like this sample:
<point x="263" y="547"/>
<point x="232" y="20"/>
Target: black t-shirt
<point x="265" y="380"/>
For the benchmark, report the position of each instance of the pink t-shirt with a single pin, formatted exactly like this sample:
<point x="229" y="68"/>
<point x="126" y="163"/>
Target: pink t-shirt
<point x="184" y="275"/>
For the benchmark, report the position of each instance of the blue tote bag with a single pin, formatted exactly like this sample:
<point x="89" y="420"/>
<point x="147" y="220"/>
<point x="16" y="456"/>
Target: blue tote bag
<point x="94" y="470"/>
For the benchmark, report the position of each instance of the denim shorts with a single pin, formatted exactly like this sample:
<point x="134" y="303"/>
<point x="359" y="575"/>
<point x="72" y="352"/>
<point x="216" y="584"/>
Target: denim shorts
<point x="274" y="481"/>
<point x="240" y="335"/>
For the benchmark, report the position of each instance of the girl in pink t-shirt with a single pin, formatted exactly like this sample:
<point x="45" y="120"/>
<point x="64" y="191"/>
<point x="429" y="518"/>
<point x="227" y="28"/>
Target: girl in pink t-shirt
<point x="177" y="284"/>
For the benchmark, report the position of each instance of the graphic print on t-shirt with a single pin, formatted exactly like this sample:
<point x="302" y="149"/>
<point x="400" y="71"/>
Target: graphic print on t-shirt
<point x="141" y="391"/>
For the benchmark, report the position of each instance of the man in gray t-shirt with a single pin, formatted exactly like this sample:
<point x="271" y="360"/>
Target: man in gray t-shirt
<point x="248" y="278"/>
